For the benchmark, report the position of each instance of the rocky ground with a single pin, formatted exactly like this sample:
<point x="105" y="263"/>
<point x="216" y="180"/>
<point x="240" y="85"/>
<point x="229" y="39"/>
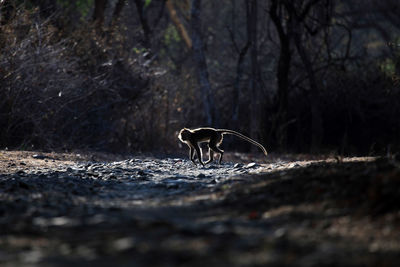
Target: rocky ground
<point x="99" y="210"/>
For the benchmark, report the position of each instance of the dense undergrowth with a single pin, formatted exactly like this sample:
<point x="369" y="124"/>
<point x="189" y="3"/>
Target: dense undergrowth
<point x="66" y="86"/>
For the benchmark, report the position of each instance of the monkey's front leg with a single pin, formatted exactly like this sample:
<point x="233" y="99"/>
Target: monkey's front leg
<point x="199" y="154"/>
<point x="191" y="154"/>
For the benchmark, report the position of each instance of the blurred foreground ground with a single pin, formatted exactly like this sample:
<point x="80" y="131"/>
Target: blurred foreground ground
<point x="107" y="210"/>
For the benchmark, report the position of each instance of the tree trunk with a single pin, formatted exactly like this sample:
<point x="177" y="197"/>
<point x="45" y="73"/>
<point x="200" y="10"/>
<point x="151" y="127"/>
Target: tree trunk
<point x="143" y="21"/>
<point x="201" y="64"/>
<point x="281" y="121"/>
<point x="178" y="24"/>
<point x="98" y="14"/>
<point x="283" y="88"/>
<point x="251" y="11"/>
<point x="316" y="118"/>
<point x="239" y="69"/>
<point x="117" y="11"/>
<point x="236" y="85"/>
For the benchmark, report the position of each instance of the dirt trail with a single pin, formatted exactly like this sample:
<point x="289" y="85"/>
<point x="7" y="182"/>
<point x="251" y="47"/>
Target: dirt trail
<point x="64" y="209"/>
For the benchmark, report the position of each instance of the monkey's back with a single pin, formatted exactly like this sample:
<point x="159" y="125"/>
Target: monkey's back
<point x="204" y="134"/>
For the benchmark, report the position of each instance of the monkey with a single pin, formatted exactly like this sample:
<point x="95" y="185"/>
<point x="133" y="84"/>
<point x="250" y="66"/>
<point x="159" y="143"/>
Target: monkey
<point x="214" y="137"/>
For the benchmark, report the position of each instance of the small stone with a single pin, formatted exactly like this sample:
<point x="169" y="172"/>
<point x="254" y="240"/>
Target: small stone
<point x="281" y="232"/>
<point x="251" y="165"/>
<point x="38" y="156"/>
<point x="237" y="165"/>
<point x="123" y="244"/>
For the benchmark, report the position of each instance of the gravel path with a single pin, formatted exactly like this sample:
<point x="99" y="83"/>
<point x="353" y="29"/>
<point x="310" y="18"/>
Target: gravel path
<point x="169" y="212"/>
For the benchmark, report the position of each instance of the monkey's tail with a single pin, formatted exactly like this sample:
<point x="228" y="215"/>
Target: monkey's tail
<point x="226" y="131"/>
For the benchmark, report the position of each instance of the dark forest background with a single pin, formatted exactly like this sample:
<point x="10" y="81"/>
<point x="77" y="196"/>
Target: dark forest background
<point x="318" y="76"/>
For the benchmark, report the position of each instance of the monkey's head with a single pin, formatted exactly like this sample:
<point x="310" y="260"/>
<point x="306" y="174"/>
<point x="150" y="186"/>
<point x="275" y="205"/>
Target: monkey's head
<point x="184" y="134"/>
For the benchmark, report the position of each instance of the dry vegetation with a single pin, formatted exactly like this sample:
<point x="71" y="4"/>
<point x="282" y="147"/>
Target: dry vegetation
<point x="67" y="83"/>
<point x="64" y="91"/>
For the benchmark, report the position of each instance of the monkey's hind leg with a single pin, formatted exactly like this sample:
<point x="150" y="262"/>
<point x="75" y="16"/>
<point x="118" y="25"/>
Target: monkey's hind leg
<point x="217" y="150"/>
<point x="221" y="153"/>
<point x="214" y="143"/>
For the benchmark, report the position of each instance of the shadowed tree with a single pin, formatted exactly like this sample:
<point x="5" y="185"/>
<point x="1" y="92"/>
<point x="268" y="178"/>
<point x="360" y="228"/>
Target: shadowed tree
<point x="178" y="24"/>
<point x="117" y="10"/>
<point x="98" y="13"/>
<point x="283" y="25"/>
<point x="301" y="28"/>
<point x="201" y="65"/>
<point x="254" y="80"/>
<point x="297" y="21"/>
<point x="141" y="9"/>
